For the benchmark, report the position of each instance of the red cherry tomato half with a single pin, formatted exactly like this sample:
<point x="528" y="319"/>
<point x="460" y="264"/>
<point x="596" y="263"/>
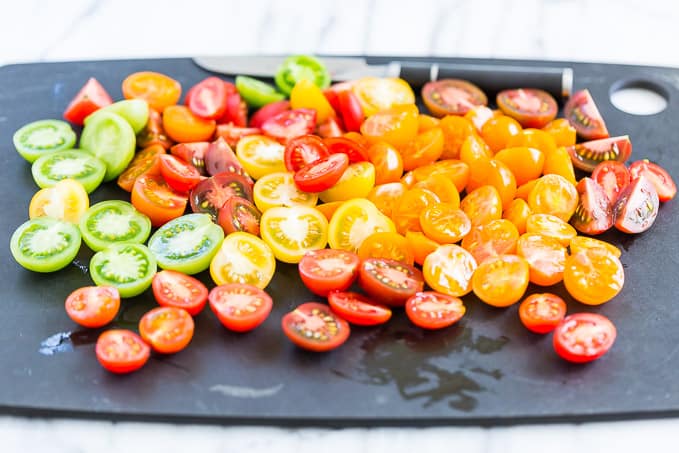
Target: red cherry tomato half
<point x="613" y="177"/>
<point x="239" y="214"/>
<point x="193" y="153"/>
<point x="583" y="337"/>
<point x="175" y="289"/>
<point x="167" y="329"/>
<point x="541" y="313"/>
<point x="594" y="213"/>
<point x="389" y="281"/>
<point x="121" y="351"/>
<point x="178" y="174"/>
<point x="322" y="174"/>
<point x="658" y="176"/>
<point x="232" y="134"/>
<point x="327" y="270"/>
<point x="290" y="124"/>
<point x="315" y="327"/>
<point x="637" y="206"/>
<point x="332" y="127"/>
<point x="207" y="99"/>
<point x="433" y="310"/>
<point x="357" y="309"/>
<point x="93" y="306"/>
<point x="581" y="111"/>
<point x="91" y="97"/>
<point x="220" y="158"/>
<point x="350" y="110"/>
<point x="239" y="306"/>
<point x="529" y="106"/>
<point x="452" y="97"/>
<point x="587" y="155"/>
<point x="355" y="151"/>
<point x="260" y="116"/>
<point x="210" y="194"/>
<point x="304" y="150"/>
<point x="236" y="109"/>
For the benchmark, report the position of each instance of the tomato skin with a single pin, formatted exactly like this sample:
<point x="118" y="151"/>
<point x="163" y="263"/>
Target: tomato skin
<point x="387" y="161"/>
<point x="121" y="351"/>
<point x="587" y="155"/>
<point x="159" y="90"/>
<point x="581" y="111"/>
<point x="304" y="150"/>
<point x="658" y="176"/>
<point x="593" y="276"/>
<point x="239" y="306"/>
<point x="389" y="281"/>
<point x="396" y="126"/>
<point x="501" y="280"/>
<point x="220" y="158"/>
<point x="193" y="153"/>
<point x="432" y="310"/>
<point x="178" y="174"/>
<point x="322" y="174"/>
<point x="182" y="125"/>
<point x="167" y="330"/>
<point x="176" y="289"/>
<point x="530" y="107"/>
<point x="91" y="97"/>
<point x="613" y="177"/>
<point x="593" y="214"/>
<point x="269" y="110"/>
<point x="541" y="313"/>
<point x="239" y="214"/>
<point x="290" y="124"/>
<point x="236" y="109"/>
<point x="152" y="196"/>
<point x="326" y="270"/>
<point x="350" y="110"/>
<point x="354" y="150"/>
<point x="358" y="309"/>
<point x="93" y="306"/>
<point x="315" y="327"/>
<point x="584" y="337"/>
<point x="207" y="99"/>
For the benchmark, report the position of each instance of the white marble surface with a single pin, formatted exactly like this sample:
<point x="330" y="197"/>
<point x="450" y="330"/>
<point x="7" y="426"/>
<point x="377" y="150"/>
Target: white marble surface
<point x="629" y="31"/>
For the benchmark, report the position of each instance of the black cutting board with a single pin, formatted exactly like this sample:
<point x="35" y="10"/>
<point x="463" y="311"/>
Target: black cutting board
<point x="485" y="370"/>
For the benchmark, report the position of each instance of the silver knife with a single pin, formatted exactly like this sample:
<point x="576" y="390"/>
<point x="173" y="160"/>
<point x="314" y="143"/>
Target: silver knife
<point x="490" y="77"/>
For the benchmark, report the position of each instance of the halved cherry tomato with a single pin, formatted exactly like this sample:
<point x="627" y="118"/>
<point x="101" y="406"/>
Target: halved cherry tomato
<point x="290" y="124"/>
<point x="386" y="196"/>
<point x="497" y="131"/>
<point x="406" y="213"/>
<point x="456" y="130"/>
<point x="232" y="134"/>
<point x="178" y="174"/>
<point x="332" y="127"/>
<point x="502" y="178"/>
<point x="356" y="182"/>
<point x="449" y="270"/>
<point x="496" y="237"/>
<point x="260" y="155"/>
<point x="559" y="162"/>
<point x="583" y="337"/>
<point x="593" y="276"/>
<point x="584" y="116"/>
<point x="193" y="153"/>
<point x="452" y="97"/>
<point x="593" y="215"/>
<point x="389" y="281"/>
<point x="154" y="133"/>
<point x="269" y="110"/>
<point x="328" y="209"/>
<point x="552" y="226"/>
<point x="517" y="212"/>
<point x="529" y="106"/>
<point x="561" y="131"/>
<point x="145" y="162"/>
<point x="350" y="110"/>
<point x="386" y="244"/>
<point x="397" y="125"/>
<point x="482" y="205"/>
<point x="307" y="95"/>
<point x="291" y="231"/>
<point x="93" y="306"/>
<point x="356" y="151"/>
<point x="239" y="214"/>
<point x="580" y="243"/>
<point x="546" y="258"/>
<point x="525" y="163"/>
<point x="327" y="270"/>
<point x="553" y="194"/>
<point x="424" y="149"/>
<point x="304" y="150"/>
<point x="167" y="329"/>
<point x="445" y="223"/>
<point x="613" y="177"/>
<point x="426" y="122"/>
<point x="587" y="155"/>
<point x="176" y="289"/>
<point x="210" y="194"/>
<point x="66" y="200"/>
<point x="480" y="115"/>
<point x="476" y="155"/>
<point x="358" y="309"/>
<point x="159" y="90"/>
<point x="432" y="310"/>
<point x="207" y="98"/>
<point x="442" y="186"/>
<point x="637" y="206"/>
<point x="533" y="138"/>
<point x="152" y="196"/>
<point x="420" y="245"/>
<point x="91" y="97"/>
<point x="501" y="280"/>
<point x="378" y="94"/>
<point x="121" y="351"/>
<point x="239" y="306"/>
<point x="453" y="169"/>
<point x="279" y="189"/>
<point x="181" y="125"/>
<point x="658" y="176"/>
<point x="353" y="222"/>
<point x="315" y="327"/>
<point x="541" y="313"/>
<point x="243" y="258"/>
<point x="387" y="161"/>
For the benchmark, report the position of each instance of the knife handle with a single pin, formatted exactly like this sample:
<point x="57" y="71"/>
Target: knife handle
<point x="491" y="78"/>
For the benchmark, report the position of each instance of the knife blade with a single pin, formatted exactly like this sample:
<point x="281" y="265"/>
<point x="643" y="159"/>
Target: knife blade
<point x="490" y="77"/>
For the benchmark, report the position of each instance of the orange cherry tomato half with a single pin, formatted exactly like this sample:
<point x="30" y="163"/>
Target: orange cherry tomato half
<point x="553" y="194"/>
<point x="449" y="269"/>
<point x="546" y="257"/>
<point x="432" y="310"/>
<point x="497" y="237"/>
<point x="240" y="306"/>
<point x="182" y="125"/>
<point x="315" y="327"/>
<point x="396" y="126"/>
<point x="525" y="163"/>
<point x="583" y="337"/>
<point x="146" y="161"/>
<point x="153" y="133"/>
<point x="541" y="313"/>
<point x="387" y="161"/>
<point x="420" y="245"/>
<point x="358" y="309"/>
<point x="441" y="186"/>
<point x="121" y="351"/>
<point x="497" y="131"/>
<point x="453" y="169"/>
<point x="561" y="131"/>
<point x="152" y="196"/>
<point x="93" y="306"/>
<point x="386" y="244"/>
<point x="456" y="130"/>
<point x="482" y="205"/>
<point x="424" y="149"/>
<point x="593" y="276"/>
<point x="167" y="330"/>
<point x="501" y="280"/>
<point x="176" y="289"/>
<point x="159" y="90"/>
<point x="445" y="223"/>
<point x="475" y="153"/>
<point x="517" y="212"/>
<point x="406" y="213"/>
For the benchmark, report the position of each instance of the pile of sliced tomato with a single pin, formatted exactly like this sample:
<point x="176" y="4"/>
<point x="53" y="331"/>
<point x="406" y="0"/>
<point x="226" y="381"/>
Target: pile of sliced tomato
<point x="381" y="207"/>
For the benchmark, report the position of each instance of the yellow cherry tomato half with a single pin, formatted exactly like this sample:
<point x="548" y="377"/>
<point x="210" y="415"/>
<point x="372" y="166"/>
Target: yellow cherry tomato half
<point x="291" y="231"/>
<point x="377" y="94"/>
<point x="243" y="258"/>
<point x="356" y="182"/>
<point x="307" y="95"/>
<point x="279" y="189"/>
<point x="66" y="200"/>
<point x="449" y="270"/>
<point x="354" y="221"/>
<point x="260" y="155"/>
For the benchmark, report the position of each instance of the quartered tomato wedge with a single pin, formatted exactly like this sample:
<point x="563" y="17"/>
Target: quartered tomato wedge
<point x="315" y="327"/>
<point x="210" y="194"/>
<point x="541" y="313"/>
<point x="452" y="97"/>
<point x="290" y="124"/>
<point x="207" y="99"/>
<point x="152" y="196"/>
<point x="154" y="132"/>
<point x="358" y="309"/>
<point x="167" y="329"/>
<point x="240" y="307"/>
<point x="613" y="177"/>
<point x="178" y="174"/>
<point x="93" y="306"/>
<point x="389" y="281"/>
<point x="432" y="310"/>
<point x="529" y="106"/>
<point x="581" y="111"/>
<point x="583" y="337"/>
<point x="326" y="270"/>
<point x="121" y="351"/>
<point x="239" y="214"/>
<point x="637" y="206"/>
<point x="66" y="200"/>
<point x="322" y="174"/>
<point x="220" y="158"/>
<point x="193" y="153"/>
<point x="658" y="176"/>
<point x="243" y="258"/>
<point x="304" y="150"/>
<point x="91" y="97"/>
<point x="587" y="155"/>
<point x="593" y="214"/>
<point x="176" y="289"/>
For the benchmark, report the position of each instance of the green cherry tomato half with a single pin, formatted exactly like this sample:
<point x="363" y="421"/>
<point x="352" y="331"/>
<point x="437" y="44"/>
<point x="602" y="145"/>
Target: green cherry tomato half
<point x="187" y="243"/>
<point x="75" y="164"/>
<point x="109" y="137"/>
<point x="42" y="137"/>
<point x="298" y="67"/>
<point x="257" y="93"/>
<point x="45" y="244"/>
<point x="111" y="222"/>
<point x="134" y="111"/>
<point x="127" y="267"/>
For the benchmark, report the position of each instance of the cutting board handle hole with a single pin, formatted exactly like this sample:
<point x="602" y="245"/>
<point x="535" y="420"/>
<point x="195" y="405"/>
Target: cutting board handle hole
<point x="639" y="97"/>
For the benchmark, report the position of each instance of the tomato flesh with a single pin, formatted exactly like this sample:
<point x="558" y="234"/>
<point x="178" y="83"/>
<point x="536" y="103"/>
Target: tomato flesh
<point x="358" y="309"/>
<point x="304" y="150"/>
<point x="593" y="215"/>
<point x="290" y="124"/>
<point x="389" y="281"/>
<point x="322" y="174"/>
<point x="452" y="97"/>
<point x="613" y="177"/>
<point x="326" y="270"/>
<point x="167" y="330"/>
<point x="315" y="327"/>
<point x="176" y="289"/>
<point x="529" y="106"/>
<point x="207" y="99"/>
<point x="583" y="337"/>
<point x="239" y="306"/>
<point x="581" y="111"/>
<point x="121" y="351"/>
<point x="91" y="97"/>
<point x="432" y="310"/>
<point x="178" y="174"/>
<point x="93" y="306"/>
<point x="658" y="176"/>
<point x="541" y="313"/>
